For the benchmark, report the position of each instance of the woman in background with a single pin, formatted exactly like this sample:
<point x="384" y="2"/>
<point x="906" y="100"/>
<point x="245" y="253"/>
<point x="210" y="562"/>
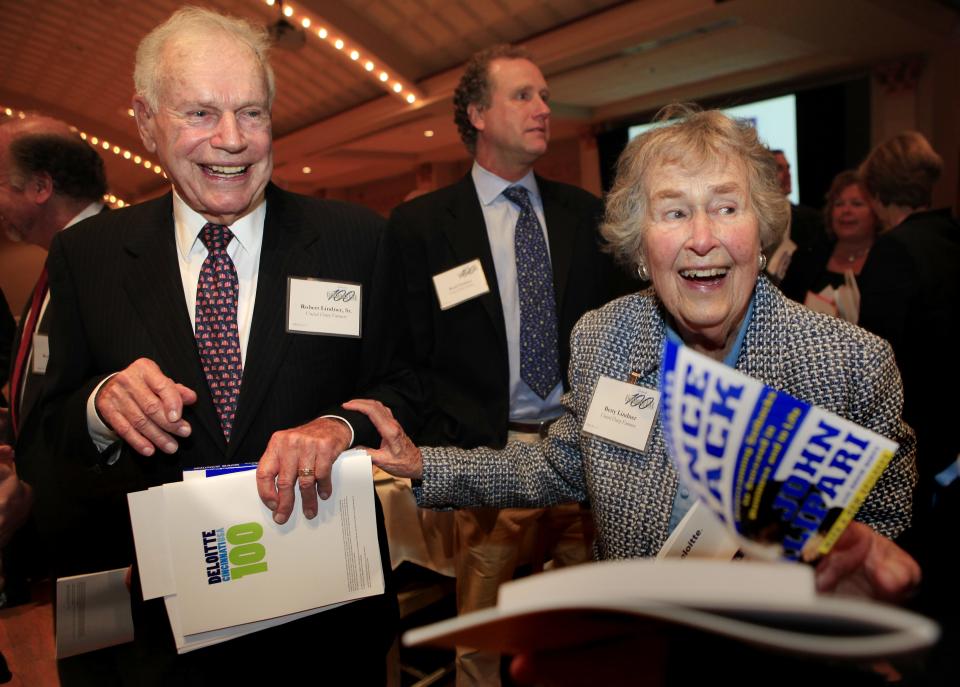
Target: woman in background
<point x="815" y="278"/>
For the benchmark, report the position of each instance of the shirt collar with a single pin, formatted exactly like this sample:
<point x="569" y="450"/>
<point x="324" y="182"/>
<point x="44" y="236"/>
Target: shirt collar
<point x="489" y="186"/>
<point x="88" y="211"/>
<point x="188" y="223"/>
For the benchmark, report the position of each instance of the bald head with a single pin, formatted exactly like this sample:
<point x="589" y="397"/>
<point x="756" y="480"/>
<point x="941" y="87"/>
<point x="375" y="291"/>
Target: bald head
<point x="47" y="176"/>
<point x="37" y="124"/>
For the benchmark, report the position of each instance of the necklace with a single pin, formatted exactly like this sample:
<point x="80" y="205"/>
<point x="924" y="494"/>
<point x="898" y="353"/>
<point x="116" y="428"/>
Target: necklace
<point x="852" y="257"/>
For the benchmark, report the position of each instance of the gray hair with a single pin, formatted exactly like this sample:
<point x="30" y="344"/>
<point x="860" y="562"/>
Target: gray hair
<point x="191" y="22"/>
<point x="696" y="139"/>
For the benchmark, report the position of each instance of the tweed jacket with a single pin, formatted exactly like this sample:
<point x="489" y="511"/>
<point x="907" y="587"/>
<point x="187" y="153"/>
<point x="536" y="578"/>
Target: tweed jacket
<point x="817" y="358"/>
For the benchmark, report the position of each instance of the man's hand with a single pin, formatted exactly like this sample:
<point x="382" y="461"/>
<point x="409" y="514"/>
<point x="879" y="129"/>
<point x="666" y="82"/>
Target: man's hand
<point x="16" y="497"/>
<point x="865" y="562"/>
<point x="145" y="407"/>
<point x="302" y="457"/>
<point x="397" y="454"/>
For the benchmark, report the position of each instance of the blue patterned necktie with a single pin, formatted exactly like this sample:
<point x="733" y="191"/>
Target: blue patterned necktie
<point x="539" y="360"/>
<point x="218" y="337"/>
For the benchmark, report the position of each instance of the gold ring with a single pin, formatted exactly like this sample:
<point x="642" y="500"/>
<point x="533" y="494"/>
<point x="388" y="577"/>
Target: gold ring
<point x="305" y="472"/>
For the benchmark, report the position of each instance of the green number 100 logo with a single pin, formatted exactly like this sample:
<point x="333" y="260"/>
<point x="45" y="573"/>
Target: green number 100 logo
<point x="246" y="551"/>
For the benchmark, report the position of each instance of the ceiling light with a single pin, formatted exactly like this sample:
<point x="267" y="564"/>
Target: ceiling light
<point x="411" y="98"/>
<point x="307" y="170"/>
<point x="288" y="11"/>
<point x="397" y="87"/>
<point x="428" y="133"/>
<point x="322" y="33"/>
<point x="305" y="22"/>
<point x="368" y="66"/>
<point x="338" y="44"/>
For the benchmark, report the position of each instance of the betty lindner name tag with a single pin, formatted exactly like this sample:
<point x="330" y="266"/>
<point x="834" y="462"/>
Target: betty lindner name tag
<point x="331" y="308"/>
<point x="622" y="413"/>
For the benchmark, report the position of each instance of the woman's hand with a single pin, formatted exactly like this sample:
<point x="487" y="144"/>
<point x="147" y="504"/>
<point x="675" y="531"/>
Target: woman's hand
<point x="868" y="563"/>
<point x="397" y="454"/>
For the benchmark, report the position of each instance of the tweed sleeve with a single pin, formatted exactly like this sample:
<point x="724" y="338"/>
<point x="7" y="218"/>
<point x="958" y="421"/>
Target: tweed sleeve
<point x="878" y="406"/>
<point x="521" y="475"/>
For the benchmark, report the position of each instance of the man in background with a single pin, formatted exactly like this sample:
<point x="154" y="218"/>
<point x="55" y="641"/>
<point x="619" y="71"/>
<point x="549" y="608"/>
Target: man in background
<point x="806" y="224"/>
<point x="49" y="180"/>
<point x="498" y="268"/>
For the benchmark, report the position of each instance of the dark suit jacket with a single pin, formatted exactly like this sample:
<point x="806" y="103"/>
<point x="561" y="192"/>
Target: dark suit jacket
<point x="462" y="352"/>
<point x="910" y="295"/>
<point x="117" y="296"/>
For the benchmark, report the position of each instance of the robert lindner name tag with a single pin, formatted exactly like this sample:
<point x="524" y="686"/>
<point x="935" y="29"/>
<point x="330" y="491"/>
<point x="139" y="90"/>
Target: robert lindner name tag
<point x="622" y="413"/>
<point x="315" y="306"/>
<point x="460" y="284"/>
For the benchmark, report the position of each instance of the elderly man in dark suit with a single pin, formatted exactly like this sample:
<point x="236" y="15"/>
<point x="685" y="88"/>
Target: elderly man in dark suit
<point x="172" y="347"/>
<point x="499" y="267"/>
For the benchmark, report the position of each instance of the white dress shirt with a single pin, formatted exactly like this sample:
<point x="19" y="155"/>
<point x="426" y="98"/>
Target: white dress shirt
<point x="500" y="216"/>
<point x="244" y="250"/>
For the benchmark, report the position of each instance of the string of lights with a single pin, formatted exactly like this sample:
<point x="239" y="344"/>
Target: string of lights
<point x="385" y="77"/>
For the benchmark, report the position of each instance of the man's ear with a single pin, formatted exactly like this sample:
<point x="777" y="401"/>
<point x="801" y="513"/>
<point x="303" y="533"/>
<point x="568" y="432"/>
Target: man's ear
<point x="39" y="187"/>
<point x="475" y="113"/>
<point x="146" y="122"/>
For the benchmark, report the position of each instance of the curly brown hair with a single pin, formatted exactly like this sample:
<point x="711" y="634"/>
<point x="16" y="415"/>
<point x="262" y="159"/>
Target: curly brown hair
<point x="474" y="87"/>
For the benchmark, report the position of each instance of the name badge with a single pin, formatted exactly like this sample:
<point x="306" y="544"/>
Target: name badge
<point x="700" y="534"/>
<point x="622" y="413"/>
<point x="322" y="307"/>
<point x="41" y="353"/>
<point x="460" y="284"/>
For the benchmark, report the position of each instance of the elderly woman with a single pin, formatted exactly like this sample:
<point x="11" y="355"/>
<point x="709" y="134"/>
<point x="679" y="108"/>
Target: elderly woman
<point x="694" y="206"/>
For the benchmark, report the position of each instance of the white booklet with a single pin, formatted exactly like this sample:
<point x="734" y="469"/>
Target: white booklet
<point x="93" y="612"/>
<point x="224" y="568"/>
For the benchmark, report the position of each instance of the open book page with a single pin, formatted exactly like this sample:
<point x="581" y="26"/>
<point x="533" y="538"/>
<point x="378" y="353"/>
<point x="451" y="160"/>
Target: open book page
<point x="772" y="605"/>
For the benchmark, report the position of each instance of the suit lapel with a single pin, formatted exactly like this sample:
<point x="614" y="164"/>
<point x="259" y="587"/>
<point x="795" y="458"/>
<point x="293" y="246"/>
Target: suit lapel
<point x="561" y="229"/>
<point x="466" y="231"/>
<point x="268" y="339"/>
<point x="151" y="277"/>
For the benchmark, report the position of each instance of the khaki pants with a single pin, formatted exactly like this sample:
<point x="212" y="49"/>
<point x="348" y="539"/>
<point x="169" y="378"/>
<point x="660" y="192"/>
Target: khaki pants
<point x="489" y="546"/>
